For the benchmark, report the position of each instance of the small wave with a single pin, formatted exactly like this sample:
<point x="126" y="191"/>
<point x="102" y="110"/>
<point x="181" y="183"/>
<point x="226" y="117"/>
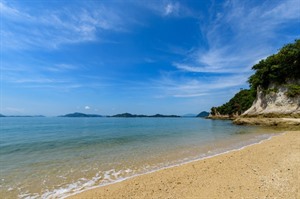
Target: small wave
<point x="100" y="179"/>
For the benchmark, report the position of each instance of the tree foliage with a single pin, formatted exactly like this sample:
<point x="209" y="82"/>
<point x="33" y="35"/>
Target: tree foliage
<point x="238" y="104"/>
<point x="277" y="68"/>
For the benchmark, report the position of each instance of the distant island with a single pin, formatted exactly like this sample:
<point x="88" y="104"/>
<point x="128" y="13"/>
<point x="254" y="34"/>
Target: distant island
<point x="1" y="115"/>
<point x="124" y="115"/>
<point x="203" y="114"/>
<point x="80" y="115"/>
<point x="134" y="115"/>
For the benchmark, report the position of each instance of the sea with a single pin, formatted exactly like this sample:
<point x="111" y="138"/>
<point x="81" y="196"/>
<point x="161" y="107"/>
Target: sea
<point x="55" y="157"/>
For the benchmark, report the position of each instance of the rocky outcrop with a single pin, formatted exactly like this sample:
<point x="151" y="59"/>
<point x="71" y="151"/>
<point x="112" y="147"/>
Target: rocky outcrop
<point x="216" y="115"/>
<point x="292" y="123"/>
<point x="274" y="103"/>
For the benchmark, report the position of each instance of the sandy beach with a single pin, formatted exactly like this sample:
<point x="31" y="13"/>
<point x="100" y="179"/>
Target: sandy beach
<point x="270" y="169"/>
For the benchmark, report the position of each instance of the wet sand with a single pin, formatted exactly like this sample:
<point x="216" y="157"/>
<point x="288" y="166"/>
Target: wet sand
<point x="270" y="169"/>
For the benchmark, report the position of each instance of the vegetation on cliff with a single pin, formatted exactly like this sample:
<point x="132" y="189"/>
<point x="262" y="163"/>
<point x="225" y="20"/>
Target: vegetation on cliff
<point x="282" y="68"/>
<point x="294" y="90"/>
<point x="277" y="69"/>
<point x="237" y="105"/>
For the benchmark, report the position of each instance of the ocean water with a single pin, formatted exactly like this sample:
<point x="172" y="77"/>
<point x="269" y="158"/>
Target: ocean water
<point x="56" y="157"/>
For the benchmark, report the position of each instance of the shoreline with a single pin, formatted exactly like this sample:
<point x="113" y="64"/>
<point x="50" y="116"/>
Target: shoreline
<point x="128" y="186"/>
<point x="175" y="165"/>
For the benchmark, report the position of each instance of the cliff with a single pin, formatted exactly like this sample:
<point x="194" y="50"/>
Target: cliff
<point x="274" y="102"/>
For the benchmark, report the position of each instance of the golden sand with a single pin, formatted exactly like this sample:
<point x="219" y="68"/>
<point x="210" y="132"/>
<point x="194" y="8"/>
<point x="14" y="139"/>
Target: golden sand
<point x="270" y="169"/>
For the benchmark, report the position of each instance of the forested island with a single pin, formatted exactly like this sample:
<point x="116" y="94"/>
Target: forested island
<point x="203" y="114"/>
<point x="124" y="115"/>
<point x="134" y="115"/>
<point x="76" y="114"/>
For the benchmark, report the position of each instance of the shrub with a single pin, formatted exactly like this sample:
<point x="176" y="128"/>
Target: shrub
<point x="293" y="90"/>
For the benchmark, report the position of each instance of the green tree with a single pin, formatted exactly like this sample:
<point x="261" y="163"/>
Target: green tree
<point x="278" y="68"/>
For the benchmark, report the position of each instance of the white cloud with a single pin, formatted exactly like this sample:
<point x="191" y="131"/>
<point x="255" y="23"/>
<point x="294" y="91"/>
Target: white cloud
<point x="149" y="60"/>
<point x="168" y="8"/>
<point x="61" y="68"/>
<point x="22" y="78"/>
<point x="27" y="28"/>
<point x="34" y="80"/>
<point x="172" y="85"/>
<point x="171" y="8"/>
<point x="6" y="10"/>
<point x="87" y="108"/>
<point x="237" y="37"/>
<point x="240" y="34"/>
<point x="205" y="69"/>
<point x="286" y="10"/>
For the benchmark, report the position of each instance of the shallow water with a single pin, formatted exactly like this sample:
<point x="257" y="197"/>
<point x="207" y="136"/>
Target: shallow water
<point x="55" y="157"/>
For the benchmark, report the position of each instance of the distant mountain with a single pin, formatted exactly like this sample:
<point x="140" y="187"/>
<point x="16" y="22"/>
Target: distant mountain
<point x="203" y="114"/>
<point x="134" y="115"/>
<point x="189" y="115"/>
<point x="159" y="115"/>
<point x="128" y="115"/>
<point x="2" y="115"/>
<point x="80" y="115"/>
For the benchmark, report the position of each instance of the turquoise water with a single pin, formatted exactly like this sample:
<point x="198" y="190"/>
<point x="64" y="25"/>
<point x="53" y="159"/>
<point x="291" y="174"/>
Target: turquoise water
<point x="56" y="157"/>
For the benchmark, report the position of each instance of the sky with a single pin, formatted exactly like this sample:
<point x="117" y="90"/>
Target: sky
<point x="138" y="56"/>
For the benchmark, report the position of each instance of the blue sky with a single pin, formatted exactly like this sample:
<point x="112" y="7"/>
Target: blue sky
<point x="138" y="56"/>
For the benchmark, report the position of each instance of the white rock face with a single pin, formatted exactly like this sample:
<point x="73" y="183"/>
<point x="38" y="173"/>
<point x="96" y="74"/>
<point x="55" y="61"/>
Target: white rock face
<point x="274" y="103"/>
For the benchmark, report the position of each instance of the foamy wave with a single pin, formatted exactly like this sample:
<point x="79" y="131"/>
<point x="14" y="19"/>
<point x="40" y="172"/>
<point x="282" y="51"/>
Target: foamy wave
<point x="100" y="179"/>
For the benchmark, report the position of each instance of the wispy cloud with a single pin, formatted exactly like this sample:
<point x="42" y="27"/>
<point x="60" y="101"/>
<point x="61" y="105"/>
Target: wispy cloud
<point x="172" y="85"/>
<point x="171" y="8"/>
<point x="240" y="34"/>
<point x="61" y="68"/>
<point x="59" y="77"/>
<point x="36" y="79"/>
<point x="9" y="11"/>
<point x="237" y="37"/>
<point x="168" y="8"/>
<point x="27" y="28"/>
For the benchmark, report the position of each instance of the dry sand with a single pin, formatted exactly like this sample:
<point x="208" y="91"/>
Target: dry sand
<point x="267" y="170"/>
